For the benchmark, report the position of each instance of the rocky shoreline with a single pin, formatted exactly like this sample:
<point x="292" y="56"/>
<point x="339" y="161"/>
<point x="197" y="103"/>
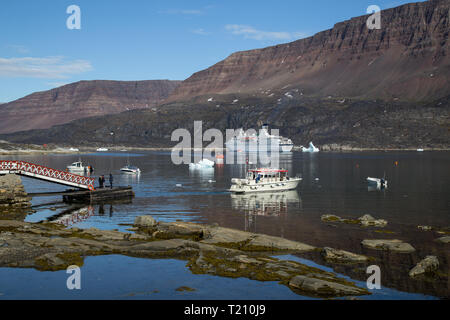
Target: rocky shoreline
<point x="208" y="249"/>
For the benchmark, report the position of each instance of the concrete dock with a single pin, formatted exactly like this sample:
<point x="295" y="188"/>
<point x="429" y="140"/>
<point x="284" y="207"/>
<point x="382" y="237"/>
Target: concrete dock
<point x="99" y="195"/>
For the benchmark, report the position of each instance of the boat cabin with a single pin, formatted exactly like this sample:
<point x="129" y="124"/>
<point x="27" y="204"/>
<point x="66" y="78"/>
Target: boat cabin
<point x="267" y="174"/>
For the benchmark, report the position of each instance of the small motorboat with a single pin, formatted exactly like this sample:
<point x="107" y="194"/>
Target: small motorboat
<point x="102" y="149"/>
<point x="78" y="166"/>
<point x="130" y="169"/>
<point x="264" y="180"/>
<point x="379" y="182"/>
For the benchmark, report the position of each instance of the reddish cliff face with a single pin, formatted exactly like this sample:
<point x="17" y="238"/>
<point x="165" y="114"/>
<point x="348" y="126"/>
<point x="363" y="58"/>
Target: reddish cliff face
<point x="82" y="99"/>
<point x="407" y="59"/>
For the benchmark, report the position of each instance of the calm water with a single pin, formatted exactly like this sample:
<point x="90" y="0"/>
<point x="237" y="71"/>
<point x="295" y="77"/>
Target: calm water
<point x="333" y="183"/>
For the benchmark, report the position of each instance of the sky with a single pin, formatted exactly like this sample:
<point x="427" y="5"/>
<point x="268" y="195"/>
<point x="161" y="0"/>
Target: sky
<point x="148" y="39"/>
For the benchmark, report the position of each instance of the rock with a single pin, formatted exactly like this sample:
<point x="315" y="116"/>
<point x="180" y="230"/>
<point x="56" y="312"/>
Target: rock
<point x="330" y="218"/>
<point x="427" y="265"/>
<point x="425" y="228"/>
<point x="321" y="287"/>
<point x="264" y="241"/>
<point x="367" y="220"/>
<point x="12" y="193"/>
<point x="145" y="221"/>
<point x="445" y="239"/>
<point x="342" y="256"/>
<point x="391" y="245"/>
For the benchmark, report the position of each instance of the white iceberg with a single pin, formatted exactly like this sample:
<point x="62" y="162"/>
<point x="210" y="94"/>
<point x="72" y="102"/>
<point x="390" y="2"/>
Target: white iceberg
<point x="202" y="164"/>
<point x="311" y="148"/>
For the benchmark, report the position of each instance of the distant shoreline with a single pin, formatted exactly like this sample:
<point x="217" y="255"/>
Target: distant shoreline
<point x="60" y="150"/>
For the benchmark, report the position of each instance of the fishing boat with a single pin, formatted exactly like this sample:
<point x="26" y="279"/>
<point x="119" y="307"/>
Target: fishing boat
<point x="263" y="141"/>
<point x="379" y="182"/>
<point x="78" y="166"/>
<point x="130" y="169"/>
<point x="264" y="180"/>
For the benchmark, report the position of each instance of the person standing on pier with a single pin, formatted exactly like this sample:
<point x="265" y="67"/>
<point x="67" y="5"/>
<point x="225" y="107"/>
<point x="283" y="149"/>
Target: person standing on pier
<point x="111" y="180"/>
<point x="100" y="182"/>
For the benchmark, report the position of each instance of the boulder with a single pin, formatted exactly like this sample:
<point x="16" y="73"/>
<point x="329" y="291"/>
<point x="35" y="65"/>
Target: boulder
<point x="391" y="245"/>
<point x="322" y="287"/>
<point x="427" y="265"/>
<point x="342" y="256"/>
<point x="367" y="220"/>
<point x="445" y="239"/>
<point x="145" y="221"/>
<point x="330" y="218"/>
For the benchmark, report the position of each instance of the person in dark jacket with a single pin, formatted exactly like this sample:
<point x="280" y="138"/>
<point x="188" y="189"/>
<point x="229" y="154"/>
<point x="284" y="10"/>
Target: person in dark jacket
<point x="100" y="182"/>
<point x="111" y="180"/>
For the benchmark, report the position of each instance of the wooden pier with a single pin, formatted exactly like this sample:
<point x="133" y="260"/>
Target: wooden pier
<point x="98" y="195"/>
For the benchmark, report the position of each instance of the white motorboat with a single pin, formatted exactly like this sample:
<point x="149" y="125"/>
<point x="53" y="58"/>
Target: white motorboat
<point x="379" y="182"/>
<point x="311" y="148"/>
<point x="253" y="142"/>
<point x="102" y="149"/>
<point x="130" y="169"/>
<point x="78" y="166"/>
<point x="264" y="180"/>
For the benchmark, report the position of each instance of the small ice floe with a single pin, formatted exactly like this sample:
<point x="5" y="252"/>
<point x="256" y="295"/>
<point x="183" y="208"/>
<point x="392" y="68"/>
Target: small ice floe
<point x="317" y="179"/>
<point x="288" y="94"/>
<point x="211" y="181"/>
<point x="179" y="185"/>
<point x="235" y="100"/>
<point x="74" y="149"/>
<point x="311" y="148"/>
<point x="210" y="99"/>
<point x="419" y="150"/>
<point x="202" y="164"/>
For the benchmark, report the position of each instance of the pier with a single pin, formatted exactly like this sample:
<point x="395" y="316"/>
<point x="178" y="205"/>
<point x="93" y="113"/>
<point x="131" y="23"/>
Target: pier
<point x="87" y="194"/>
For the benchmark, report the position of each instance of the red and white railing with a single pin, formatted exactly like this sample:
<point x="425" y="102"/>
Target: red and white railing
<point x="48" y="174"/>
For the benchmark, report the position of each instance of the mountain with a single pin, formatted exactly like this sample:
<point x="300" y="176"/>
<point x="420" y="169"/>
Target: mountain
<point x="81" y="99"/>
<point x="407" y="59"/>
<point x="344" y="88"/>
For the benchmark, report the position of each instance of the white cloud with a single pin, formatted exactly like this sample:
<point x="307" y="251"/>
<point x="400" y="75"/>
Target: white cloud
<point x="47" y="67"/>
<point x="201" y="31"/>
<point x="250" y="32"/>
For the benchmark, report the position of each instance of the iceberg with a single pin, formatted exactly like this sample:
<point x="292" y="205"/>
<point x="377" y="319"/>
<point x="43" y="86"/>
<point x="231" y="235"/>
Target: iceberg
<point x="202" y="164"/>
<point x="311" y="148"/>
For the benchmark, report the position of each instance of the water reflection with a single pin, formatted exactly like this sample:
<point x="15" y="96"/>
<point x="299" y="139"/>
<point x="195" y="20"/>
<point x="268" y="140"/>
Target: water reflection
<point x="72" y="216"/>
<point x="267" y="203"/>
<point x="202" y="175"/>
<point x="130" y="179"/>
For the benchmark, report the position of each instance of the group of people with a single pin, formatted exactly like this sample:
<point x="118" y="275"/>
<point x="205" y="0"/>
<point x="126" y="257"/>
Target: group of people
<point x="101" y="180"/>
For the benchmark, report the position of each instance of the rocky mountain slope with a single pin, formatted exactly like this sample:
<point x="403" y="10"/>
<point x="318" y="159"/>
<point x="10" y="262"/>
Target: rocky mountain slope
<point x="330" y="123"/>
<point x="407" y="59"/>
<point x="348" y="87"/>
<point x="79" y="100"/>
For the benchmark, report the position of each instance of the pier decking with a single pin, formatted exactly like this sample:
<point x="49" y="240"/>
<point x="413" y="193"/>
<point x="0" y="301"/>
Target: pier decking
<point x="98" y="195"/>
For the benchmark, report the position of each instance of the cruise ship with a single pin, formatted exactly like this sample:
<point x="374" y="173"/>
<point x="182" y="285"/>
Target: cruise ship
<point x="253" y="142"/>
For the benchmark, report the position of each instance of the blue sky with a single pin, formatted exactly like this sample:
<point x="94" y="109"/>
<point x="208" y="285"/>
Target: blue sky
<point x="148" y="39"/>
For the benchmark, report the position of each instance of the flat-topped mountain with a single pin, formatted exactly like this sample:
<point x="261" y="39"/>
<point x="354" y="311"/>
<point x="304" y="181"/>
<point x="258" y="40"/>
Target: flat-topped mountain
<point x="407" y="59"/>
<point x="81" y="99"/>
